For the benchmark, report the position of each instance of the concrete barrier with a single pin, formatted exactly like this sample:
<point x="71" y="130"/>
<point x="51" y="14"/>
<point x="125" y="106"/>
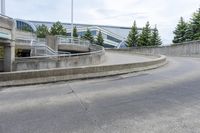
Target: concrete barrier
<point x="181" y="49"/>
<point x="61" y="61"/>
<point x="64" y="74"/>
<point x="58" y="62"/>
<point x="74" y="48"/>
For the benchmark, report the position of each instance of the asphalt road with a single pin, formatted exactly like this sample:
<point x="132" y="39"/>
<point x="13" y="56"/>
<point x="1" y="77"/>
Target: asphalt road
<point x="165" y="100"/>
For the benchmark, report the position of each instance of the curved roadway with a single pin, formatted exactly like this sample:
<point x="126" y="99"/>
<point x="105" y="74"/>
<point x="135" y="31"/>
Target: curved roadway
<point x="165" y="100"/>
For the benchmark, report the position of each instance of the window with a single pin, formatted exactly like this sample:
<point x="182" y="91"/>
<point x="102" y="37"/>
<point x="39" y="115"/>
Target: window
<point x="94" y="32"/>
<point x="24" y="26"/>
<point x="113" y="39"/>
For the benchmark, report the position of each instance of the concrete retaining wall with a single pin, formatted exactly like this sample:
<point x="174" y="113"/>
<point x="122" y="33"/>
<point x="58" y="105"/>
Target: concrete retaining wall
<point x="73" y="48"/>
<point x="182" y="49"/>
<point x="58" y="62"/>
<point x="6" y="23"/>
<point x="25" y="35"/>
<point x="53" y="75"/>
<point x="52" y="42"/>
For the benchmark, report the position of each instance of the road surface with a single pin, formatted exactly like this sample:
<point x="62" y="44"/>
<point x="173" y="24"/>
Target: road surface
<point x="164" y="100"/>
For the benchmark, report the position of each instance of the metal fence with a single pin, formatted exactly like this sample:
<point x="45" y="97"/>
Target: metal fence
<point x="72" y="41"/>
<point x="39" y="48"/>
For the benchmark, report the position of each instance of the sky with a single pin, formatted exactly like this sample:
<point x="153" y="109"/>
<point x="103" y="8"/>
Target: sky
<point x="163" y="13"/>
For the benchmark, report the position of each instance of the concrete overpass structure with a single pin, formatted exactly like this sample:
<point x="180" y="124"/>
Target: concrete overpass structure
<point x="7" y="41"/>
<point x="12" y="38"/>
<point x="160" y="100"/>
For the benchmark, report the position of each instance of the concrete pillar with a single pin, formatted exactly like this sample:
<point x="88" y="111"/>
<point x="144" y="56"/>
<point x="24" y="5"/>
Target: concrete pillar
<point x="52" y="42"/>
<point x="9" y="56"/>
<point x="9" y="51"/>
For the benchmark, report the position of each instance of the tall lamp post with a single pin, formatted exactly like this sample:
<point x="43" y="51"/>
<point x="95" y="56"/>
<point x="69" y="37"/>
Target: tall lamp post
<point x="3" y="8"/>
<point x="72" y="17"/>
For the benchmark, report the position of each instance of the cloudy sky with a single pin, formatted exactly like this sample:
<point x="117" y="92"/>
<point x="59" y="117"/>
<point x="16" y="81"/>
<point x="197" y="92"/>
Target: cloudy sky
<point x="164" y="13"/>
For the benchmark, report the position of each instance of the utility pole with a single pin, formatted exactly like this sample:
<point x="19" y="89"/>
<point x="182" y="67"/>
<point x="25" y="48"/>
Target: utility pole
<point x="3" y="8"/>
<point x="72" y="17"/>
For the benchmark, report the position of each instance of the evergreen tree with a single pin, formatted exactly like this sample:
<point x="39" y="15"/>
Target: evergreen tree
<point x="27" y="28"/>
<point x="75" y="34"/>
<point x="145" y="36"/>
<point x="42" y="31"/>
<point x="180" y="32"/>
<point x="189" y="33"/>
<point x="132" y="39"/>
<point x="195" y="25"/>
<point x="58" y="29"/>
<point x="155" y="38"/>
<point x="100" y="40"/>
<point x="88" y="36"/>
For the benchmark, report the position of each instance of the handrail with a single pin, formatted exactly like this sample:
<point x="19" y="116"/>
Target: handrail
<point x="75" y="41"/>
<point x="66" y="55"/>
<point x="61" y="55"/>
<point x="41" y="43"/>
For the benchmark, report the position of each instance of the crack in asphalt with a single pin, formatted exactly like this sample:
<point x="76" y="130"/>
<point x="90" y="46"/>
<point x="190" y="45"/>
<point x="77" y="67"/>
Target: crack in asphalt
<point x="90" y="115"/>
<point x="79" y="99"/>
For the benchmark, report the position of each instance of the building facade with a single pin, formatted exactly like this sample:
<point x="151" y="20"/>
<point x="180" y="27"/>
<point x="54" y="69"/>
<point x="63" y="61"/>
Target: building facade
<point x="114" y="36"/>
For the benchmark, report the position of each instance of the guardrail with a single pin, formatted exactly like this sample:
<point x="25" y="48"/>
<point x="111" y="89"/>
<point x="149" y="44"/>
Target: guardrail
<point x="40" y="44"/>
<point x="99" y="49"/>
<point x="72" y="41"/>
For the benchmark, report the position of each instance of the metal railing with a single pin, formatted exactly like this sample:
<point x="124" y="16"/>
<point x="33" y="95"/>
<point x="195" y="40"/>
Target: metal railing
<point x="72" y="41"/>
<point x="61" y="55"/>
<point x="39" y="48"/>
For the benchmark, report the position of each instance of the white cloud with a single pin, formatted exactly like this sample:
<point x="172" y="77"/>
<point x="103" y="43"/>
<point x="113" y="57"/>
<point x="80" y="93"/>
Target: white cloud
<point x="164" y="13"/>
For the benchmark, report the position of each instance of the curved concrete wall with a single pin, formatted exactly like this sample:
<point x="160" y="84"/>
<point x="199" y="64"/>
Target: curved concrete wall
<point x="74" y="60"/>
<point x="63" y="74"/>
<point x="182" y="49"/>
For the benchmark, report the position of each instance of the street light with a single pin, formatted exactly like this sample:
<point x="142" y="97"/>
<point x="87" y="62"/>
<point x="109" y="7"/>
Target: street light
<point x="3" y="8"/>
<point x="72" y="17"/>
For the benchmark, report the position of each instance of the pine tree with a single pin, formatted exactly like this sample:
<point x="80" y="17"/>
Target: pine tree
<point x="132" y="39"/>
<point x="195" y="25"/>
<point x="180" y="31"/>
<point x="189" y="33"/>
<point x="42" y="31"/>
<point x="155" y="38"/>
<point x="75" y="34"/>
<point x="100" y="40"/>
<point x="58" y="29"/>
<point x="88" y="36"/>
<point x="145" y="36"/>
